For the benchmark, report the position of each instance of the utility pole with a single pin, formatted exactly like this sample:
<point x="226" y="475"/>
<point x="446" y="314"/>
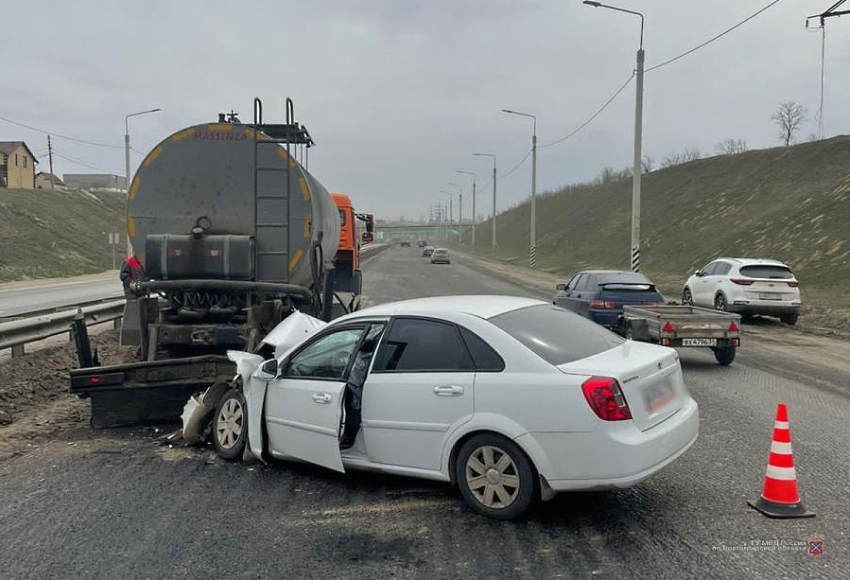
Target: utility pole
<point x="473" y="205"/>
<point x="50" y="156"/>
<point x="493" y="243"/>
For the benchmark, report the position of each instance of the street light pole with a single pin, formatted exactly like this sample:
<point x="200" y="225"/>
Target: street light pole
<point x="448" y="193"/>
<point x="127" y="162"/>
<point x="473" y="206"/>
<point x="459" y="209"/>
<point x="493" y="246"/>
<point x="533" y="241"/>
<point x="636" y="168"/>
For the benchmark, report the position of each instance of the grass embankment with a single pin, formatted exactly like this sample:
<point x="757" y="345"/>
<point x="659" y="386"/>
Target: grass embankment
<point x="791" y="204"/>
<point x="54" y="234"/>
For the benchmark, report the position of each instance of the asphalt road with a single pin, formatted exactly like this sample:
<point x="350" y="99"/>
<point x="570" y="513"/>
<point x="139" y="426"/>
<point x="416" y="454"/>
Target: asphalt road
<point x="112" y="504"/>
<point x="36" y="297"/>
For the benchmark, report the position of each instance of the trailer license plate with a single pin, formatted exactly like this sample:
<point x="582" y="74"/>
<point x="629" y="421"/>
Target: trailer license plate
<point x="770" y="296"/>
<point x="699" y="342"/>
<point x="657" y="395"/>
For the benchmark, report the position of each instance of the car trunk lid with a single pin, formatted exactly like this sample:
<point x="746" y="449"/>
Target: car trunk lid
<point x="649" y="376"/>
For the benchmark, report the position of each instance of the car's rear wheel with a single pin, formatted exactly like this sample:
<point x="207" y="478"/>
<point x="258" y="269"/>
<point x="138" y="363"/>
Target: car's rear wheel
<point x="230" y="427"/>
<point x="687" y="298"/>
<point x="790" y="318"/>
<point x="725" y="355"/>
<point x="495" y="477"/>
<point x="720" y="302"/>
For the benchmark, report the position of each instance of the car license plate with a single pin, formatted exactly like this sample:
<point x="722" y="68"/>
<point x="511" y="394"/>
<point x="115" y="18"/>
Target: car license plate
<point x="770" y="296"/>
<point x="699" y="342"/>
<point x="657" y="395"/>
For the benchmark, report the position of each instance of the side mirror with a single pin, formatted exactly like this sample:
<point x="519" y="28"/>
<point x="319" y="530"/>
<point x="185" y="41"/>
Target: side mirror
<point x="268" y="371"/>
<point x="561" y="287"/>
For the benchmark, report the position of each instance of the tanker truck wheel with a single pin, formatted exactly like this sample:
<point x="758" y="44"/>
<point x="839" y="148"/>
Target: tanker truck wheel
<point x="230" y="426"/>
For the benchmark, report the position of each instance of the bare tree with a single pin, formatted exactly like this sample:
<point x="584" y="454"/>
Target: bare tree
<point x="788" y="117"/>
<point x="648" y="163"/>
<point x="671" y="160"/>
<point x="731" y="146"/>
<point x="691" y="155"/>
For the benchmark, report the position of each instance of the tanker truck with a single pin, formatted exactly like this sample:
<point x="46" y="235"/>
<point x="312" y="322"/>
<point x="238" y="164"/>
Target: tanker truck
<point x="235" y="234"/>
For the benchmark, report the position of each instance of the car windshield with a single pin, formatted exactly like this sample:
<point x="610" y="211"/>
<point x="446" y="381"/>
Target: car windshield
<point x="556" y="335"/>
<point x="761" y="271"/>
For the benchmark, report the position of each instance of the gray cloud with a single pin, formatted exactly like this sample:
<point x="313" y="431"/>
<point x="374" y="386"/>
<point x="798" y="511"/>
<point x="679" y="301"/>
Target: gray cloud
<point x="399" y="94"/>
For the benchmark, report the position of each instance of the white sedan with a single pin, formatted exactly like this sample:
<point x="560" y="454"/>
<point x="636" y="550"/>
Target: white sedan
<point x="510" y="399"/>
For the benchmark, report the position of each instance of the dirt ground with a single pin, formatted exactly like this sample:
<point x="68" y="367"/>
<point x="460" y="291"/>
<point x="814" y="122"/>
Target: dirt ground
<point x="35" y="392"/>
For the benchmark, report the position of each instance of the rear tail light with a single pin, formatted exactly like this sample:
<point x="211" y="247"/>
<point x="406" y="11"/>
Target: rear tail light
<point x="735" y="342"/>
<point x="94" y="380"/>
<point x="793" y="284"/>
<point x="733" y="327"/>
<point x="741" y="282"/>
<point x="603" y="304"/>
<point x="605" y="397"/>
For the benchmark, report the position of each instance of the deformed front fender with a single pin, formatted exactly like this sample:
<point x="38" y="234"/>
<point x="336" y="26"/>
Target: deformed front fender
<point x="254" y="392"/>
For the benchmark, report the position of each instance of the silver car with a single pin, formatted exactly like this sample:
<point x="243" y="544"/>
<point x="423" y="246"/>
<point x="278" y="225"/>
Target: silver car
<point x="440" y="256"/>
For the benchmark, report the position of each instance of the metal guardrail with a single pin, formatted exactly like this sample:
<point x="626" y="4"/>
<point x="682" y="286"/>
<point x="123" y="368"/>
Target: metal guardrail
<point x="16" y="333"/>
<point x="56" y="309"/>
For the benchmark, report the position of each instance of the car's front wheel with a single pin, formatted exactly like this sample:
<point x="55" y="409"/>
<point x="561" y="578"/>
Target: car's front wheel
<point x="687" y="298"/>
<point x="495" y="477"/>
<point x="230" y="426"/>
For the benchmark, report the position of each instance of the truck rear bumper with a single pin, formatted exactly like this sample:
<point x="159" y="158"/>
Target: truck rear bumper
<point x="147" y="392"/>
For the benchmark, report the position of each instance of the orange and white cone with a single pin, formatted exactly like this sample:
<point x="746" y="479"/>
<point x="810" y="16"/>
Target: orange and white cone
<point x="780" y="497"/>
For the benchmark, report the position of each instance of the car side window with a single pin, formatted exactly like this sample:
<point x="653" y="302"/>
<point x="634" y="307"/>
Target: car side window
<point x="577" y="281"/>
<point x="587" y="282"/>
<point x="326" y="357"/>
<point x="709" y="270"/>
<point x="722" y="269"/>
<point x="421" y="345"/>
<point x="485" y="358"/>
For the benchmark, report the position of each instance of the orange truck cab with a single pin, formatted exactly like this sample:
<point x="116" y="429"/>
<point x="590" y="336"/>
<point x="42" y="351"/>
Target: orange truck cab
<point x="347" y="261"/>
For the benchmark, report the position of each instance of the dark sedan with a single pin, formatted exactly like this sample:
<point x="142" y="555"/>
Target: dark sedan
<point x="601" y="294"/>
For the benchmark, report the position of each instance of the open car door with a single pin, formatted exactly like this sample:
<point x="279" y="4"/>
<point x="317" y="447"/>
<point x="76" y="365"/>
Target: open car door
<point x="304" y="403"/>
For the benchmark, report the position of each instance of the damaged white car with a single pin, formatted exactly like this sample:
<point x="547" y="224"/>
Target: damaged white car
<point x="510" y="399"/>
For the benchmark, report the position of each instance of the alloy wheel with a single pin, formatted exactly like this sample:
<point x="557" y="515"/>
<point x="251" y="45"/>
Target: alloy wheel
<point x="228" y="425"/>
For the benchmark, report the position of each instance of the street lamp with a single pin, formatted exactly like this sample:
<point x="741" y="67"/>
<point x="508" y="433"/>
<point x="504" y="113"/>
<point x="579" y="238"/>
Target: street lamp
<point x="459" y="203"/>
<point x="636" y="168"/>
<point x="446" y="230"/>
<point x="127" y="162"/>
<point x="494" y="197"/>
<point x="473" y="204"/>
<point x="533" y="244"/>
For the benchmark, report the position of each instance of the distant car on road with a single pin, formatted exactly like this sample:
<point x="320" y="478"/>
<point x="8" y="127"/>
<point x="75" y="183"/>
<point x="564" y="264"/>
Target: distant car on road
<point x="601" y="294"/>
<point x="510" y="399"/>
<point x="405" y="243"/>
<point x="422" y="243"/>
<point x="747" y="286"/>
<point x="440" y="256"/>
<point x="427" y="251"/>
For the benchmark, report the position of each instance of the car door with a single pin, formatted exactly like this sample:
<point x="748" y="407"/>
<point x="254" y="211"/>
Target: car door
<point x="586" y="290"/>
<point x="571" y="300"/>
<point x="702" y="291"/>
<point x="304" y="404"/>
<point x="419" y="390"/>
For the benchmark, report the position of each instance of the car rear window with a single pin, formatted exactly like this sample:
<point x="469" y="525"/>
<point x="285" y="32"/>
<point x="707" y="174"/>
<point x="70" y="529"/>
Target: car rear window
<point x="622" y="278"/>
<point x="781" y="272"/>
<point x="556" y="335"/>
<point x="629" y="287"/>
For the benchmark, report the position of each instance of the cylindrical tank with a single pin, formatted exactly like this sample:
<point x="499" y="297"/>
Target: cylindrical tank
<point x="217" y="178"/>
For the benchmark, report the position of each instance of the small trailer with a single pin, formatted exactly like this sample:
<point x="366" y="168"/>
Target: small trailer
<point x="683" y="325"/>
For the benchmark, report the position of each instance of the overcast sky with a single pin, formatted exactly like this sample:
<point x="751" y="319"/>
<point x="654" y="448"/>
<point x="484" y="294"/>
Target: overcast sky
<point x="398" y="94"/>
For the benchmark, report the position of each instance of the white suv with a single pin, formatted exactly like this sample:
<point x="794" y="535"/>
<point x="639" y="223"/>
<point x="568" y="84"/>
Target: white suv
<point x="747" y="286"/>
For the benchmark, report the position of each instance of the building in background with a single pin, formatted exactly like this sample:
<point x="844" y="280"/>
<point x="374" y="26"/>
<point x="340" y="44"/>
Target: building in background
<point x="94" y="181"/>
<point x="17" y="165"/>
<point x="43" y="180"/>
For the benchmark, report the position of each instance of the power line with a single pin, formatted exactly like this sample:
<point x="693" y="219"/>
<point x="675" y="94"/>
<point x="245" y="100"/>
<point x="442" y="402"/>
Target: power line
<point x="592" y="117"/>
<point x="74" y="139"/>
<point x="517" y="166"/>
<point x="710" y="40"/>
<point x="83" y="164"/>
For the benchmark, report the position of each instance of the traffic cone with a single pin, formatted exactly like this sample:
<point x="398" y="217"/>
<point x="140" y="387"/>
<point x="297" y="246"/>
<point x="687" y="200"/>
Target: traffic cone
<point x="779" y="496"/>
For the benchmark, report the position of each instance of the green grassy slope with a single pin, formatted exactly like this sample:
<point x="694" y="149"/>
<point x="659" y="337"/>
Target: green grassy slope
<point x="45" y="234"/>
<point x="792" y="204"/>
